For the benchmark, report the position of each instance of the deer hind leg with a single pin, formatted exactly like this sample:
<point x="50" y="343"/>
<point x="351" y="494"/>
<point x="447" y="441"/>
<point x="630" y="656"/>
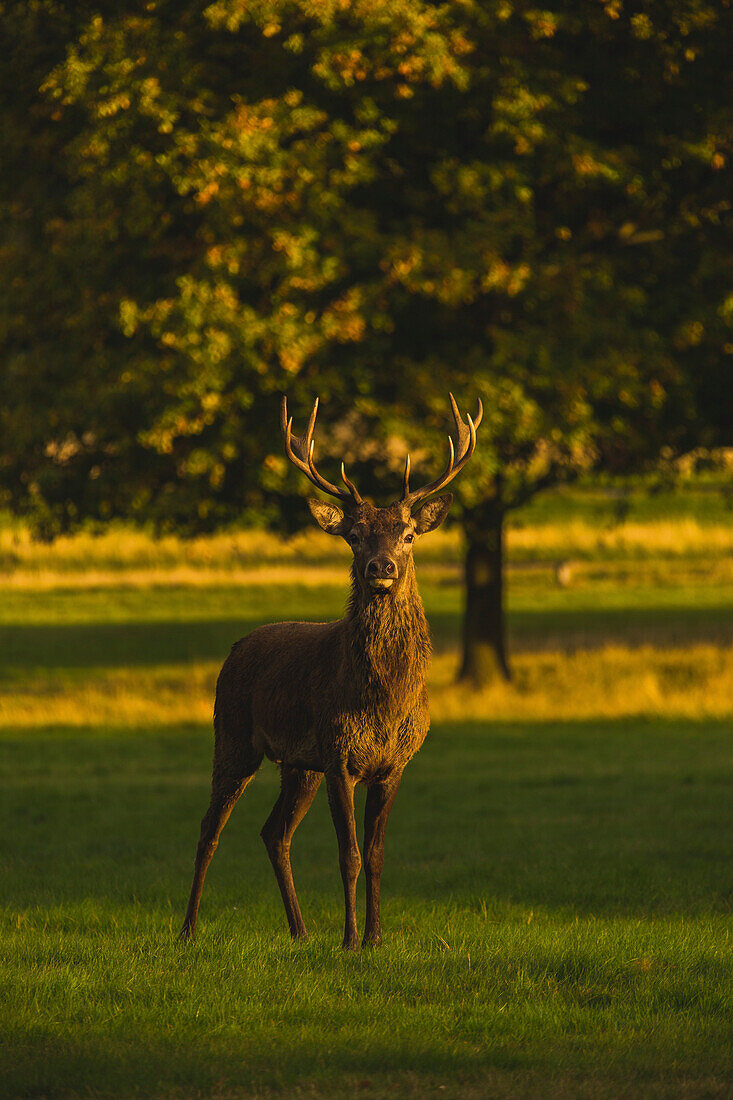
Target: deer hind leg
<point x="232" y="772"/>
<point x="296" y="795"/>
<point x="379" y="801"/>
<point x="341" y="800"/>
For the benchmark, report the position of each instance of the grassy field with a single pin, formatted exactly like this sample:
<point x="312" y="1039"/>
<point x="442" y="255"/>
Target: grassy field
<point x="692" y="527"/>
<point x="557" y="892"/>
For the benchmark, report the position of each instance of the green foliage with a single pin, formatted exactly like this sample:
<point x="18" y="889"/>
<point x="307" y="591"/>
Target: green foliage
<point x="374" y="201"/>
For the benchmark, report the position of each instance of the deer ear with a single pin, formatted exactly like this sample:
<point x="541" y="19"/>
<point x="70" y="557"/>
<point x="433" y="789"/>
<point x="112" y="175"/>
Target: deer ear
<point x="432" y="513"/>
<point x="329" y="517"/>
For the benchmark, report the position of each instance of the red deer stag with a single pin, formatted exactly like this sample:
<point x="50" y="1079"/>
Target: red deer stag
<point x="345" y="699"/>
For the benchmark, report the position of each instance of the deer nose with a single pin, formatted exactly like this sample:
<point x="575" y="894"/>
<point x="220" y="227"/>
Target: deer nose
<point x="381" y="567"/>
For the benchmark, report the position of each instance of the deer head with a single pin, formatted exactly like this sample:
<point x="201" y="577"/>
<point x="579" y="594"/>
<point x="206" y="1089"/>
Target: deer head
<point x="381" y="539"/>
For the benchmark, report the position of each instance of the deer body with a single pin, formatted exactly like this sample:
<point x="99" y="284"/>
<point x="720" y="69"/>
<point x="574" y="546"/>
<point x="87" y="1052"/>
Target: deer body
<point x="322" y="695"/>
<point x="345" y="700"/>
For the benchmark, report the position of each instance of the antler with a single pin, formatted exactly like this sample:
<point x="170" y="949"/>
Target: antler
<point x="466" y="444"/>
<point x="299" y="449"/>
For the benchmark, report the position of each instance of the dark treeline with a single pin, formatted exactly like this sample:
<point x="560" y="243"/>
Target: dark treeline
<point x="205" y="205"/>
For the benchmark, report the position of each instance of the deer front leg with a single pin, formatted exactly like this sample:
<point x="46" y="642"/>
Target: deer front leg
<point x="379" y="801"/>
<point x="298" y="791"/>
<point x="341" y="800"/>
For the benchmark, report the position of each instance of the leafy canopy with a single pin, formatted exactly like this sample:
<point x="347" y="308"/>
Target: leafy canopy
<point x="375" y="201"/>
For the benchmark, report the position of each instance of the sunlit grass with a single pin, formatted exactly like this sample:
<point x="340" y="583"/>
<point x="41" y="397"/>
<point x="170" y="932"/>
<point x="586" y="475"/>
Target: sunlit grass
<point x="533" y="575"/>
<point x="149" y="655"/>
<point x="24" y="561"/>
<point x="612" y="682"/>
<point x="677" y="538"/>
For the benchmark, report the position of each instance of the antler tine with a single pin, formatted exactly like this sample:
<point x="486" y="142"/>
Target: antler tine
<point x="318" y="479"/>
<point x="299" y="450"/>
<point x="350" y="485"/>
<point x="295" y="446"/>
<point x="466" y="444"/>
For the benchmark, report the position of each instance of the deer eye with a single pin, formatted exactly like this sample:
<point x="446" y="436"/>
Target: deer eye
<point x="409" y="538"/>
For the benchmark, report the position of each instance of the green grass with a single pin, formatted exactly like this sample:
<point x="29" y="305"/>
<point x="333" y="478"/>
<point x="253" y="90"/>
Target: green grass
<point x="707" y="501"/>
<point x="148" y="624"/>
<point x="557" y="919"/>
<point x="557" y="895"/>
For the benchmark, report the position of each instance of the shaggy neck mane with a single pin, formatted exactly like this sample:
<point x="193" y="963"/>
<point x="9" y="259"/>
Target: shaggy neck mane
<point x="389" y="639"/>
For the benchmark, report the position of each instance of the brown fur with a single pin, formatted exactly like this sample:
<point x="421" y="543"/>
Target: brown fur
<point x="345" y="699"/>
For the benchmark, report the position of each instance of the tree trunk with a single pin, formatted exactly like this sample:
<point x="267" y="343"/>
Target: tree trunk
<point x="484" y="624"/>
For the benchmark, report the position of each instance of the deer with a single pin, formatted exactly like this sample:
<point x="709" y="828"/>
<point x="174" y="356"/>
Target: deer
<point x="343" y="700"/>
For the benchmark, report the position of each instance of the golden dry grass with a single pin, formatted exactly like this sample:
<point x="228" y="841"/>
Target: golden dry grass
<point x="673" y="538"/>
<point x="700" y="570"/>
<point x="613" y="682"/>
<point x="121" y="549"/>
<point x="119" y="697"/>
<point x="49" y="579"/>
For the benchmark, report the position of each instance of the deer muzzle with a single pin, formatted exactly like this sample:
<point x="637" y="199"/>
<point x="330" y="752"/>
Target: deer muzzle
<point x="381" y="573"/>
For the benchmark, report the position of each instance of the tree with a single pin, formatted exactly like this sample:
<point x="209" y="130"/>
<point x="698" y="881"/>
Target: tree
<point x="598" y="332"/>
<point x="550" y="227"/>
<point x="377" y="202"/>
<point x="198" y="247"/>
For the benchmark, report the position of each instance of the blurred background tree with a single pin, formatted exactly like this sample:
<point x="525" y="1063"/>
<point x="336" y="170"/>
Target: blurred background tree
<point x="207" y="204"/>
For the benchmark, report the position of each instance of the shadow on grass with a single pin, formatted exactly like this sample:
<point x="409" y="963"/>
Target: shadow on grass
<point x="145" y="643"/>
<point x="136" y="644"/>
<point x="614" y="817"/>
<point x="328" y="1061"/>
<point x="139" y="644"/>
